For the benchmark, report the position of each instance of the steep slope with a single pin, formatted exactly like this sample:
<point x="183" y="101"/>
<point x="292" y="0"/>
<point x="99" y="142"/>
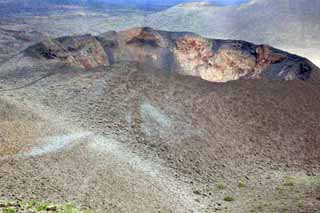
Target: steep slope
<point x="48" y="157"/>
<point x="263" y="133"/>
<point x="184" y="53"/>
<point x="109" y="123"/>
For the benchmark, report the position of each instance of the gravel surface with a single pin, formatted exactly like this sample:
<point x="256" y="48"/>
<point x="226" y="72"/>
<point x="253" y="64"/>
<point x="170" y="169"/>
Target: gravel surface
<point x="128" y="139"/>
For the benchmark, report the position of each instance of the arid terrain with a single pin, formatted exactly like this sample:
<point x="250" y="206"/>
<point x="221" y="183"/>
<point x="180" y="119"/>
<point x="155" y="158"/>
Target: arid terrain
<point x="143" y="120"/>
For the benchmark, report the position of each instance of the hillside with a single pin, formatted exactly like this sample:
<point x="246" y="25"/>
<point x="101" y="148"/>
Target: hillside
<point x="291" y="25"/>
<point x="285" y="24"/>
<point x="99" y="113"/>
<point x="291" y="22"/>
<point x="133" y="137"/>
<point x="126" y="145"/>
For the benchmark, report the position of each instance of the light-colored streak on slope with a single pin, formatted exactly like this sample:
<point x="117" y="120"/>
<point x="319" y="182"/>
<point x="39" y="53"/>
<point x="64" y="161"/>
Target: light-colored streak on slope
<point x="57" y="143"/>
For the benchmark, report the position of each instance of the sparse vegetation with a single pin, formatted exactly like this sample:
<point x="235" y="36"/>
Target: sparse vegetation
<point x="241" y="184"/>
<point x="220" y="186"/>
<point x="228" y="198"/>
<point x="8" y="210"/>
<point x="260" y="208"/>
<point x="145" y="120"/>
<point x="300" y="204"/>
<point x="280" y="190"/>
<point x="197" y="192"/>
<point x="288" y="184"/>
<point x="35" y="206"/>
<point x="289" y="181"/>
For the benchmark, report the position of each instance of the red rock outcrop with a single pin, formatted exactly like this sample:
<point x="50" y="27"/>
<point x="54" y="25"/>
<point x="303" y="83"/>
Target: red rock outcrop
<point x="184" y="53"/>
<point x="266" y="56"/>
<point x="192" y="53"/>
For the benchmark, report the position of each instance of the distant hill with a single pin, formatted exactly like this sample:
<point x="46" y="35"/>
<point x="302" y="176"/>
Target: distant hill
<point x="292" y="24"/>
<point x="18" y="5"/>
<point x="271" y="21"/>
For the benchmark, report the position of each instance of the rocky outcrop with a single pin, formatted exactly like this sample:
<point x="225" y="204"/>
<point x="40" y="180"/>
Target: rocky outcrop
<point x="82" y="51"/>
<point x="184" y="53"/>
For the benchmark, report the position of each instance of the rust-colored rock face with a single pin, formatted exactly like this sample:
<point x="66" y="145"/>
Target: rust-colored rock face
<point x="229" y="64"/>
<point x="139" y="45"/>
<point x="196" y="56"/>
<point x="143" y="38"/>
<point x="266" y="56"/>
<point x="193" y="54"/>
<point x="145" y="46"/>
<point x="184" y="53"/>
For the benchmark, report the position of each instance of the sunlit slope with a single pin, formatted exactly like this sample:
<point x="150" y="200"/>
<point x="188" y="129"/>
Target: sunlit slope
<point x="289" y="24"/>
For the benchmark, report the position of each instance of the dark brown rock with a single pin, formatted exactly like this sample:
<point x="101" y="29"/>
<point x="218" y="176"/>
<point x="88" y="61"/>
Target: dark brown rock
<point x="82" y="51"/>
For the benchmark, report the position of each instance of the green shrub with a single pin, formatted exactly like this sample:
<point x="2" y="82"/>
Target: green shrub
<point x="35" y="206"/>
<point x="289" y="181"/>
<point x="8" y="210"/>
<point x="228" y="198"/>
<point x="241" y="184"/>
<point x="220" y="186"/>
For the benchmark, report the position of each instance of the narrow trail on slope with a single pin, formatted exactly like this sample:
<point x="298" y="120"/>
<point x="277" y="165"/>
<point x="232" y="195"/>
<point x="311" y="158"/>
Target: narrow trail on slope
<point x="153" y="172"/>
